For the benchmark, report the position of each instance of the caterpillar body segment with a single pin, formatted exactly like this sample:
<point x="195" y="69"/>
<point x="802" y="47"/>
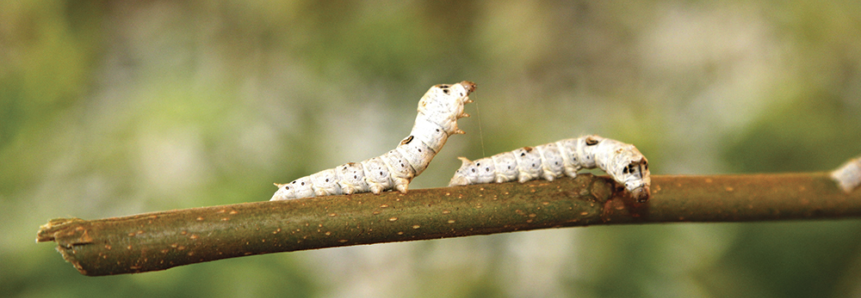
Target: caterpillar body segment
<point x="438" y="112"/>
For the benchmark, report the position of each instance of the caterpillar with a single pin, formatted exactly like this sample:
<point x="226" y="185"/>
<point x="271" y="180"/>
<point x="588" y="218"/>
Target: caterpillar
<point x="438" y="112"/>
<point x="848" y="176"/>
<point x="622" y="161"/>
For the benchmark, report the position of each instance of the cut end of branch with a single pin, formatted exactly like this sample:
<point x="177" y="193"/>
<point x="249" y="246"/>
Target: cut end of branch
<point x="56" y="228"/>
<point x="67" y="232"/>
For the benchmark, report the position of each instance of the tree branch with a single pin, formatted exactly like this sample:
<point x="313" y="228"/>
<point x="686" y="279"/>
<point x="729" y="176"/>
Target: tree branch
<point x="161" y="240"/>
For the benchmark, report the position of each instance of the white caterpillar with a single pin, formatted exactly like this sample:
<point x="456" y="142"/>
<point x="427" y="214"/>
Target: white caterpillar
<point x="622" y="161"/>
<point x="848" y="175"/>
<point x="438" y="112"/>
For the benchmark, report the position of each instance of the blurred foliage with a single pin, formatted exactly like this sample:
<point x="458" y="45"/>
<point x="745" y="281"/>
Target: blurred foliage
<point x="116" y="108"/>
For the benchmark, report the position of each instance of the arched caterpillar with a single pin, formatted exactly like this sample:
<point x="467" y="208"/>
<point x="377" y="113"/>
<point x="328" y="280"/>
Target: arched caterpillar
<point x="438" y="112"/>
<point x="622" y="161"/>
<point x="848" y="176"/>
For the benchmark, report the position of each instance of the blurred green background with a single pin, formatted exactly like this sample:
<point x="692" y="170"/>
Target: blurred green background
<point x="112" y="108"/>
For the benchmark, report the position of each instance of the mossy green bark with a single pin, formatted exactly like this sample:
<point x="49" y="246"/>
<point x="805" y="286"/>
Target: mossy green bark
<point x="161" y="240"/>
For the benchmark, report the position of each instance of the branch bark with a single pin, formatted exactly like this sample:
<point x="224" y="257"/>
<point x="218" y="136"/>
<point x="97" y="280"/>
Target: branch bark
<point x="161" y="240"/>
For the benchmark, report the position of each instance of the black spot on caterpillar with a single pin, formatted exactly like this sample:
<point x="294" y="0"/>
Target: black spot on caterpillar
<point x="407" y="140"/>
<point x="621" y="161"/>
<point x="438" y="112"/>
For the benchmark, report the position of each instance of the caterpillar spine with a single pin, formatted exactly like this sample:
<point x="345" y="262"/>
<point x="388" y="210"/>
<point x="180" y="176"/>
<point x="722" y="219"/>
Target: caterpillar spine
<point x="438" y="112"/>
<point x="621" y="161"/>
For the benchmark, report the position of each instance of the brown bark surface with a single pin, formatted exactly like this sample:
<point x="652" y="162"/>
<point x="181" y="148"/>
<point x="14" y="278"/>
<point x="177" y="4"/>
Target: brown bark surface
<point x="161" y="240"/>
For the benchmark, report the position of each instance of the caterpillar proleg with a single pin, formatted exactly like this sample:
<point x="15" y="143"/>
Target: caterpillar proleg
<point x="438" y="111"/>
<point x="621" y="161"/>
<point x="848" y="175"/>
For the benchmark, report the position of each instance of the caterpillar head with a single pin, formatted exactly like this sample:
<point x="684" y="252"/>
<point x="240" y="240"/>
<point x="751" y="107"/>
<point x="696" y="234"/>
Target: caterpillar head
<point x="458" y="92"/>
<point x="461" y="89"/>
<point x="443" y="105"/>
<point x="469" y="86"/>
<point x="637" y="179"/>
